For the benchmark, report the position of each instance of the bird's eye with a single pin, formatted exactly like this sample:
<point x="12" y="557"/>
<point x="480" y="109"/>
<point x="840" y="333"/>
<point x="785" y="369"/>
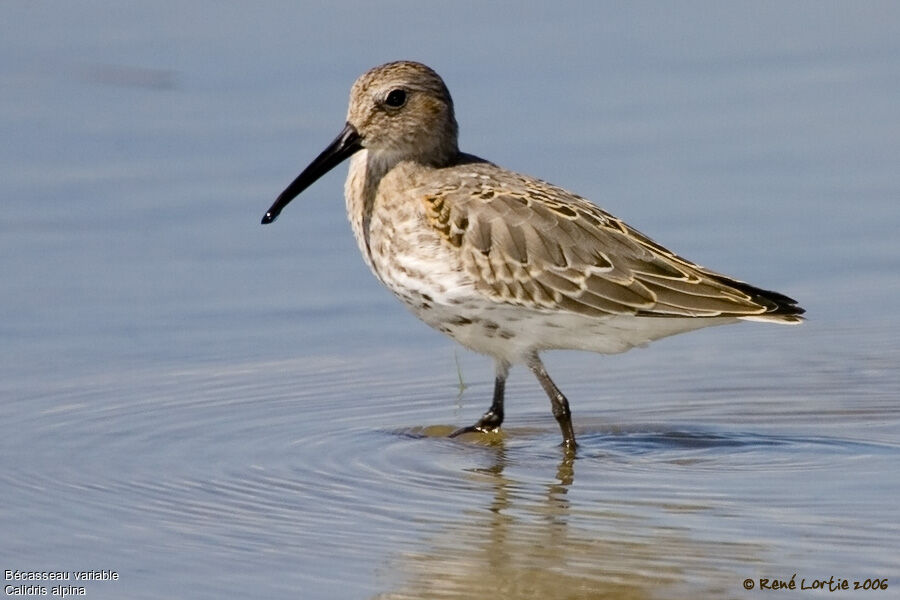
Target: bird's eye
<point x="396" y="98"/>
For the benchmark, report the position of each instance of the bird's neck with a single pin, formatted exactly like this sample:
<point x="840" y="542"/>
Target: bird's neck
<point x="367" y="169"/>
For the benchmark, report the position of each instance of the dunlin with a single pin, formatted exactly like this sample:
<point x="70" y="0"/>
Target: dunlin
<point x="503" y="263"/>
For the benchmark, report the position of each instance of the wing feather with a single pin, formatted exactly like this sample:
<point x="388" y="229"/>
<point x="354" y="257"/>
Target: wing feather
<point x="528" y="243"/>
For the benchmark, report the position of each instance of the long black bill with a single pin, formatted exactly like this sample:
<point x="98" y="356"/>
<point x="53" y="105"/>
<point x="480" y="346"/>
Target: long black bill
<point x="346" y="143"/>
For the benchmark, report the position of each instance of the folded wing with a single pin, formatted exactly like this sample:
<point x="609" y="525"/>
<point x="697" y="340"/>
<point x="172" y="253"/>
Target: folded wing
<point x="528" y="243"/>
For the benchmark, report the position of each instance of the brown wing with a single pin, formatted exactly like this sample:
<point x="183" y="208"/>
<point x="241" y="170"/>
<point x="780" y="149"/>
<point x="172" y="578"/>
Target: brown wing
<point x="528" y="243"/>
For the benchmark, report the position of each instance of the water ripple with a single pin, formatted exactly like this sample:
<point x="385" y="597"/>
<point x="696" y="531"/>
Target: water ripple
<point x="336" y="459"/>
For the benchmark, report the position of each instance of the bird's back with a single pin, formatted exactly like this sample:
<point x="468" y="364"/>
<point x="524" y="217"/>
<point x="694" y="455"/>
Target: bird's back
<point x="528" y="243"/>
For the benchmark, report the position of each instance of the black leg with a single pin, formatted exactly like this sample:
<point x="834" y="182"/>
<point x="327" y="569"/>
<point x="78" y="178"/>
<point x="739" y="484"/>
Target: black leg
<point x="493" y="418"/>
<point x="558" y="402"/>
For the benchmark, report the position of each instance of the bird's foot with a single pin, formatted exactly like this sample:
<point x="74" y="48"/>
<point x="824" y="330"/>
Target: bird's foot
<point x="488" y="423"/>
<point x="476" y="428"/>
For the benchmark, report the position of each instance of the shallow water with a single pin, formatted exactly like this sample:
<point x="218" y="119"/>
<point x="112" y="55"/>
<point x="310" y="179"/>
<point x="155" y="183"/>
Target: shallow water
<point x="217" y="409"/>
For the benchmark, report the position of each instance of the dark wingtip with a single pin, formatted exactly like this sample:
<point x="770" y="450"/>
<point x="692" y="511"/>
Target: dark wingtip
<point x="269" y="217"/>
<point x="777" y="305"/>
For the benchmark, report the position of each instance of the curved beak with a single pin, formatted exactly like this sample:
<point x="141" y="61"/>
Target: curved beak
<point x="345" y="144"/>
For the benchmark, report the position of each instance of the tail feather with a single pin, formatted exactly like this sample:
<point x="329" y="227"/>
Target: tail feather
<point x="779" y="308"/>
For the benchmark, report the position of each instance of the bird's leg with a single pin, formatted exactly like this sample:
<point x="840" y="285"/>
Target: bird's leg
<point x="493" y="418"/>
<point x="558" y="402"/>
